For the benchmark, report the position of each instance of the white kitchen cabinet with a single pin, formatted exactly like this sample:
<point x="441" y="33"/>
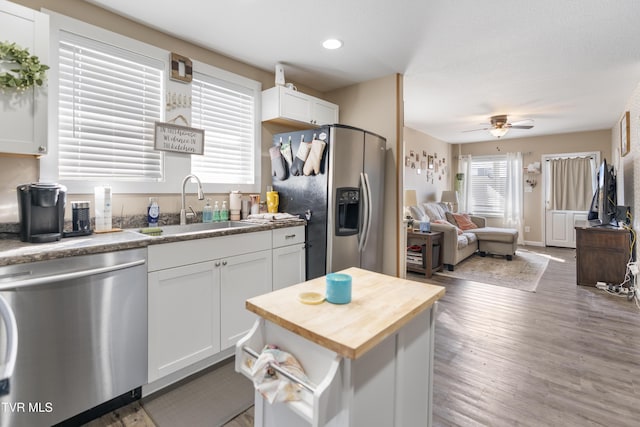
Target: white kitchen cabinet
<point x="281" y="104"/>
<point x="197" y="293"/>
<point x="289" y="257"/>
<point x="184" y="317"/>
<point x="241" y="277"/>
<point x="23" y="115"/>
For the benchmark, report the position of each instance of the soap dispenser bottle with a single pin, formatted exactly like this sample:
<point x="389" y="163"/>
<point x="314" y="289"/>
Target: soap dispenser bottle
<point x="207" y="212"/>
<point x="224" y="212"/>
<point x="216" y="212"/>
<point x="153" y="212"/>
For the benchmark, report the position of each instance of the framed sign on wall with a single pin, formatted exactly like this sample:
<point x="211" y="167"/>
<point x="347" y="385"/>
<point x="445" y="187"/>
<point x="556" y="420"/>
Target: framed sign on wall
<point x="625" y="136"/>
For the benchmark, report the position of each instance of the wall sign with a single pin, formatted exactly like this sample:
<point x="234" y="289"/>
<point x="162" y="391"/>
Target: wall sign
<point x="180" y="139"/>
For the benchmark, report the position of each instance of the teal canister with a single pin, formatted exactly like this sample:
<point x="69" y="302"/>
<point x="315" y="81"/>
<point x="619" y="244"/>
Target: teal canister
<point x="338" y="288"/>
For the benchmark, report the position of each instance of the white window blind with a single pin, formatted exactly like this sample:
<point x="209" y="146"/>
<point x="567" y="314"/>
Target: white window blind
<point x="488" y="185"/>
<point x="226" y="111"/>
<point x="109" y="101"/>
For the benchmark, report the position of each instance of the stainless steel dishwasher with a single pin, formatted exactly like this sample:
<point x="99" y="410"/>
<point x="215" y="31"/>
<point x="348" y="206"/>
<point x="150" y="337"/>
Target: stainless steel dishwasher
<point x="81" y="334"/>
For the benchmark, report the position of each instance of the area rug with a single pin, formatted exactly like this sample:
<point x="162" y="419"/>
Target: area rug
<point x="523" y="272"/>
<point x="210" y="400"/>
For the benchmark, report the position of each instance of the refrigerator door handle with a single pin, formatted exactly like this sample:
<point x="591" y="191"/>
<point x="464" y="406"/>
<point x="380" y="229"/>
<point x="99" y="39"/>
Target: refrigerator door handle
<point x="365" y="220"/>
<point x="9" y="320"/>
<point x="369" y="210"/>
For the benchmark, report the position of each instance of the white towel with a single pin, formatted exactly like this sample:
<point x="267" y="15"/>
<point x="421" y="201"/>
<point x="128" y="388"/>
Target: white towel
<point x="272" y="216"/>
<point x="273" y="386"/>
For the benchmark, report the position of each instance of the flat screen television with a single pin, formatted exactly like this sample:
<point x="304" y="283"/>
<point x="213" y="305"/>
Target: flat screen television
<point x="603" y="205"/>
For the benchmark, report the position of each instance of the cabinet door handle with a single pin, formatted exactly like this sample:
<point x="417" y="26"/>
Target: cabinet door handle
<point x="224" y="262"/>
<point x="217" y="264"/>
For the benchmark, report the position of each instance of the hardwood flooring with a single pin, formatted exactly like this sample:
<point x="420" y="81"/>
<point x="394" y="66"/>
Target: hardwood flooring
<point x="563" y="356"/>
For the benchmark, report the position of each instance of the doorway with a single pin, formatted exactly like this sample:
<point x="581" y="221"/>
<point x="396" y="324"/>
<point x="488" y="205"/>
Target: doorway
<point x="566" y="194"/>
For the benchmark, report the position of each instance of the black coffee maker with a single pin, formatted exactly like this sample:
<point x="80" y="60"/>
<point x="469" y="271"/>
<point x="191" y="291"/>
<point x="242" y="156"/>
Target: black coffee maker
<point x="41" y="210"/>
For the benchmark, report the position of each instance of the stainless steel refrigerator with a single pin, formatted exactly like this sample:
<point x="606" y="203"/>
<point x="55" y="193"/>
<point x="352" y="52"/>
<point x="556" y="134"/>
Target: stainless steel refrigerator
<point x="342" y="202"/>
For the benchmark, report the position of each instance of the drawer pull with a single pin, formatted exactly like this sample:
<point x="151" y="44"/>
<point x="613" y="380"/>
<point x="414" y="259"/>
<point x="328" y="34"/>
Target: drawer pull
<point x="289" y="236"/>
<point x="284" y="372"/>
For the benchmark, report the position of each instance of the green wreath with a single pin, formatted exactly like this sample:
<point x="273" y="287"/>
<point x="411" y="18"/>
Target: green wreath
<point x="29" y="70"/>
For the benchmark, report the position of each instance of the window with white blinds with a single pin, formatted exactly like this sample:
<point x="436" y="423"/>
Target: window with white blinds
<point x="109" y="101"/>
<point x="227" y="113"/>
<point x="488" y="185"/>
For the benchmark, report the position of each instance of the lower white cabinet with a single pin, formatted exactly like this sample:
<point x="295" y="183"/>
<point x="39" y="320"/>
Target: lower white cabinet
<point x="184" y="317"/>
<point x="241" y="277"/>
<point x="198" y="289"/>
<point x="289" y="257"/>
<point x="197" y="293"/>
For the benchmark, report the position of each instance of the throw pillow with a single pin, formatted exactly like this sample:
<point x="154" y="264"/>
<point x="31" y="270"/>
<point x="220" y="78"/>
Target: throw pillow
<point x="442" y="221"/>
<point x="464" y="221"/>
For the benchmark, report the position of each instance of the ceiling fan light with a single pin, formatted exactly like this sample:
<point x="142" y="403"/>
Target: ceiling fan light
<point x="498" y="132"/>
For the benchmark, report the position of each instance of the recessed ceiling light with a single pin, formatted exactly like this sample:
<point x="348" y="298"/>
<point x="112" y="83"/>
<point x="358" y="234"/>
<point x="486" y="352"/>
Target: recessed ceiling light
<point x="332" y="44"/>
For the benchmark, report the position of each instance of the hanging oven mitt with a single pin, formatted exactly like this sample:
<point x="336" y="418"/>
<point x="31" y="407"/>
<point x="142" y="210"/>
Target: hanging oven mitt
<point x="285" y="149"/>
<point x="312" y="165"/>
<point x="301" y="157"/>
<point x="277" y="163"/>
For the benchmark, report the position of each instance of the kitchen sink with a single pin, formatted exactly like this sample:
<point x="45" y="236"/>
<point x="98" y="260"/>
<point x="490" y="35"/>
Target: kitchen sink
<point x="199" y="227"/>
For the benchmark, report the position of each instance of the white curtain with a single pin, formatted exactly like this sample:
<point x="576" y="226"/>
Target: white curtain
<point x="464" y="192"/>
<point x="513" y="212"/>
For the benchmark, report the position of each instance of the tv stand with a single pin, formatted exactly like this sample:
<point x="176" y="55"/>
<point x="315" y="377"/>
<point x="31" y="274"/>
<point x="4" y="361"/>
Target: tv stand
<point x="602" y="253"/>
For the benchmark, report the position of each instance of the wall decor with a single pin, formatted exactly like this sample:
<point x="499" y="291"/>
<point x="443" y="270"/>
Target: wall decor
<point x="625" y="137"/>
<point x="430" y="161"/>
<point x="181" y="68"/>
<point x="25" y="70"/>
<point x="180" y="139"/>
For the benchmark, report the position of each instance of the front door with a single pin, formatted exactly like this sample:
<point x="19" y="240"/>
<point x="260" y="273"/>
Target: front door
<point x="560" y="223"/>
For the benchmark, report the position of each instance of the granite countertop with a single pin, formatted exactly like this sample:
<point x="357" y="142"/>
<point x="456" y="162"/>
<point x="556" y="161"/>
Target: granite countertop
<point x="14" y="251"/>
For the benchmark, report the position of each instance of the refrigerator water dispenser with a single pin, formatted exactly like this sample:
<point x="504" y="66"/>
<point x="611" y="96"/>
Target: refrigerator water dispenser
<point x="347" y="211"/>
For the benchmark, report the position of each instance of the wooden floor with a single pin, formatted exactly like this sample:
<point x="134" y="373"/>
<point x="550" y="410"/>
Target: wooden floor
<point x="563" y="356"/>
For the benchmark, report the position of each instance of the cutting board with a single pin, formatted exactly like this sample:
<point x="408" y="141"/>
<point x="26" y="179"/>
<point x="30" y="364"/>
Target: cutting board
<point x="380" y="305"/>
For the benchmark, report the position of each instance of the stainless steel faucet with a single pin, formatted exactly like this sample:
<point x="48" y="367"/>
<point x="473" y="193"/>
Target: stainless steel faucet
<point x="183" y="212"/>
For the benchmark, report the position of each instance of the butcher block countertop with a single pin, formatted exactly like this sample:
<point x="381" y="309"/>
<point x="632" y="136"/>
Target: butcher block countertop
<point x="380" y="305"/>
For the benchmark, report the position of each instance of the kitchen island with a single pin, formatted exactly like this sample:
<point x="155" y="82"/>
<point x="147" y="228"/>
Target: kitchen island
<point x="369" y="362"/>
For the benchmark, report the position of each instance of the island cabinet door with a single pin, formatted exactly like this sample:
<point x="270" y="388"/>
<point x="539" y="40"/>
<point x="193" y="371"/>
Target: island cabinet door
<point x="241" y="277"/>
<point x="184" y="319"/>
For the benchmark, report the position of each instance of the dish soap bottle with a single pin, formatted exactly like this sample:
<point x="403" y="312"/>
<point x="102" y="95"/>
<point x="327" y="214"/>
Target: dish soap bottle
<point x="153" y="212"/>
<point x="216" y="212"/>
<point x="224" y="212"/>
<point x="207" y="212"/>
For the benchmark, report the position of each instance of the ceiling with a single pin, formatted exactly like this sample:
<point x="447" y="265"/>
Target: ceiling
<point x="570" y="65"/>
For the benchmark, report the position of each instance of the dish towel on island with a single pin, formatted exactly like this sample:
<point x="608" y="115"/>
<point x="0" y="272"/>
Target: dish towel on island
<point x="269" y="383"/>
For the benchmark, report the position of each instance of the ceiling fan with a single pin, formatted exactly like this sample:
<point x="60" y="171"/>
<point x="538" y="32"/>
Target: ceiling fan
<point x="500" y="125"/>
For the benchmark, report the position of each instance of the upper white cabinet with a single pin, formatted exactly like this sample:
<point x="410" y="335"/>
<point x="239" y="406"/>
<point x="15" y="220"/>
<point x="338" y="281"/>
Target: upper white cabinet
<point x="296" y="108"/>
<point x="23" y="115"/>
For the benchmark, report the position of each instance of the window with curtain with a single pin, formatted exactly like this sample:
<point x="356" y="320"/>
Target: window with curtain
<point x="488" y="185"/>
<point x="109" y="101"/>
<point x="226" y="111"/>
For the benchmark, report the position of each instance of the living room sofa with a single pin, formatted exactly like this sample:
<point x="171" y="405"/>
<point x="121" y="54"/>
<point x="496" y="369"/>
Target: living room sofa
<point x="458" y="244"/>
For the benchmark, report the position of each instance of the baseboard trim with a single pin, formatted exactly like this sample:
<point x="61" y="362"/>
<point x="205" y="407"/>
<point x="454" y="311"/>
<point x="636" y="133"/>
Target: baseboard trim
<point x="531" y="243"/>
